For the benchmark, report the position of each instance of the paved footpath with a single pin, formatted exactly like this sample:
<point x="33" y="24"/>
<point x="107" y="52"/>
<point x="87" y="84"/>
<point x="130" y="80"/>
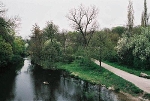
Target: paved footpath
<point x="142" y="83"/>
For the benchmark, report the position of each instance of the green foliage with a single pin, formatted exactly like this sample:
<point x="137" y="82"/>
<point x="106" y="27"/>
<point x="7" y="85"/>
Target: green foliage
<point x="146" y="96"/>
<point x="51" y="52"/>
<point x="11" y="47"/>
<point x="67" y="58"/>
<point x="141" y="44"/>
<point x="119" y="30"/>
<point x="86" y="63"/>
<point x="89" y="96"/>
<point x="36" y="44"/>
<point x="45" y="50"/>
<point x="101" y="46"/>
<point x="50" y="31"/>
<point x="6" y="52"/>
<point x="16" y="59"/>
<point x="122" y="46"/>
<point x="135" y="50"/>
<point x="19" y="46"/>
<point x="4" y="30"/>
<point x="98" y="75"/>
<point x="137" y="30"/>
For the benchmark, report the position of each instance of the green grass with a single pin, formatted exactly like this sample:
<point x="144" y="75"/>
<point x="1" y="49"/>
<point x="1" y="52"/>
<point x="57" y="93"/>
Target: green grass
<point x="127" y="69"/>
<point x="94" y="74"/>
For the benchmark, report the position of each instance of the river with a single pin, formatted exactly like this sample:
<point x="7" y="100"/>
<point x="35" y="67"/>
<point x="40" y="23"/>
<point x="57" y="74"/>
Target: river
<point x="27" y="84"/>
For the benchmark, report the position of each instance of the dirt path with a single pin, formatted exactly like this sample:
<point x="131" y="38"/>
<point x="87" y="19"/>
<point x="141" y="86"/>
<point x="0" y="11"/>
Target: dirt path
<point x="142" y="83"/>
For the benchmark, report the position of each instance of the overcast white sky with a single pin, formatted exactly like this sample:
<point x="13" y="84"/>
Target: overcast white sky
<point x="111" y="12"/>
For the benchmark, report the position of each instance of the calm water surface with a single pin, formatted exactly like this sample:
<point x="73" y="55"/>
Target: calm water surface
<point x="27" y="85"/>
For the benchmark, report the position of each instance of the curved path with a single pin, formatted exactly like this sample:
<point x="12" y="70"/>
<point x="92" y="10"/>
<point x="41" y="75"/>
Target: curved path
<point x="142" y="83"/>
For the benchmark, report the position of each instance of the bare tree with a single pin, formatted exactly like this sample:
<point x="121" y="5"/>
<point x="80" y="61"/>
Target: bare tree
<point x="145" y="16"/>
<point x="130" y="16"/>
<point x="2" y="9"/>
<point x="84" y="21"/>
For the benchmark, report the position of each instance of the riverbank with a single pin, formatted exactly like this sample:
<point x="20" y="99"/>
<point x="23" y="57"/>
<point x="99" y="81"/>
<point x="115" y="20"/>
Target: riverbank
<point x="96" y="75"/>
<point x="15" y="65"/>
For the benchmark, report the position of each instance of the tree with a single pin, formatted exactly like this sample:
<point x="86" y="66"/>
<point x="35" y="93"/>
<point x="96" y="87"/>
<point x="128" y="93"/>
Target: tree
<point x="63" y="38"/>
<point x="2" y="9"/>
<point x="141" y="44"/>
<point x="5" y="30"/>
<point x="130" y="16"/>
<point x="9" y="51"/>
<point x="45" y="50"/>
<point x="100" y="46"/>
<point x="6" y="52"/>
<point x="84" y="21"/>
<point x="135" y="50"/>
<point x="19" y="46"/>
<point x="50" y="31"/>
<point x="36" y="44"/>
<point x="144" y="17"/>
<point x="51" y="53"/>
<point x="124" y="51"/>
<point x="119" y="30"/>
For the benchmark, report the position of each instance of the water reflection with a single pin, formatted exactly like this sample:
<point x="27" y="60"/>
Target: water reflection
<point x="7" y="83"/>
<point x="6" y="86"/>
<point x="27" y="85"/>
<point x="24" y="89"/>
<point x="42" y="91"/>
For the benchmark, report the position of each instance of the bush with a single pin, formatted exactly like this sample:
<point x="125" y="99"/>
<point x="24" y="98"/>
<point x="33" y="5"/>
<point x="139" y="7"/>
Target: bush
<point x="141" y="64"/>
<point x="86" y="63"/>
<point x="16" y="59"/>
<point x="68" y="58"/>
<point x="146" y="96"/>
<point x="6" y="52"/>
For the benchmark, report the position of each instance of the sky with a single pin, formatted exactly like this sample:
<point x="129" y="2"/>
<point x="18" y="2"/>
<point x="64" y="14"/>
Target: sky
<point x="111" y="12"/>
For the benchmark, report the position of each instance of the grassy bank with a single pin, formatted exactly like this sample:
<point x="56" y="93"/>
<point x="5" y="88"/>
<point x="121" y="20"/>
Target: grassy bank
<point x="127" y="69"/>
<point x="94" y="74"/>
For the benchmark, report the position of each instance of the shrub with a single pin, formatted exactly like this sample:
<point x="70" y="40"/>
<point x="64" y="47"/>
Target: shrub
<point x="68" y="58"/>
<point x="6" y="53"/>
<point x="16" y="59"/>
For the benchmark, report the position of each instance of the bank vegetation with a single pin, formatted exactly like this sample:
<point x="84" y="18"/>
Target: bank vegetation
<point x="126" y="45"/>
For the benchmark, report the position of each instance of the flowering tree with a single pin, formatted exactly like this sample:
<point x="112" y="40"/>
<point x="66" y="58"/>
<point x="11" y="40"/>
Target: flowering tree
<point x="141" y="44"/>
<point x="137" y="47"/>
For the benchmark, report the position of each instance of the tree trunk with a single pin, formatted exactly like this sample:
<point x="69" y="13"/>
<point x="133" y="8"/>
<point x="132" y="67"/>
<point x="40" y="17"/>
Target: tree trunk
<point x="100" y="63"/>
<point x="100" y="57"/>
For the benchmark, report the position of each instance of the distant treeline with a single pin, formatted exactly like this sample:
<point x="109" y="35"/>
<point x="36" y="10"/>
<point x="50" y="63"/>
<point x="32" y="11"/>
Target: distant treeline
<point x="128" y="45"/>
